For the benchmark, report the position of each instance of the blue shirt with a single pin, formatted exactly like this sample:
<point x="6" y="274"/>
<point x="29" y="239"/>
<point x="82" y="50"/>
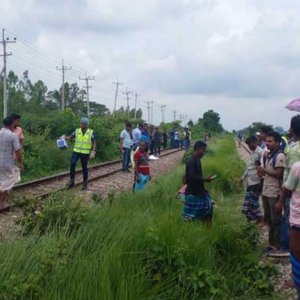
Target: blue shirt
<point x="136" y="135"/>
<point x="146" y="136"/>
<point x="127" y="141"/>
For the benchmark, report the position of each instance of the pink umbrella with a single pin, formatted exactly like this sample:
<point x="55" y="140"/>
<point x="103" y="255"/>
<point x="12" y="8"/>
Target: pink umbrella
<point x="294" y="105"/>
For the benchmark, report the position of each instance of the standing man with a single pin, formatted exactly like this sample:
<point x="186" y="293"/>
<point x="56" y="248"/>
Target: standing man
<point x="84" y="149"/>
<point x="157" y="141"/>
<point x="251" y="200"/>
<point x="171" y="133"/>
<point x="165" y="139"/>
<point x="176" y="138"/>
<point x="292" y="156"/>
<point x="17" y="127"/>
<point x="125" y="146"/>
<point x="240" y="139"/>
<point x="187" y="139"/>
<point x="10" y="149"/>
<point x="152" y="142"/>
<point x="146" y="134"/>
<point x="197" y="205"/>
<point x="137" y="133"/>
<point x="272" y="171"/>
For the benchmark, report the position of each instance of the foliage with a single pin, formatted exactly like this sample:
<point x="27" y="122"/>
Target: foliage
<point x="60" y="212"/>
<point x="253" y="128"/>
<point x="137" y="247"/>
<point x="211" y="121"/>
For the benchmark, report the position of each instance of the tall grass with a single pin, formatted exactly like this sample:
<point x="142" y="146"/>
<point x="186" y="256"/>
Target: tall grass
<point x="137" y="247"/>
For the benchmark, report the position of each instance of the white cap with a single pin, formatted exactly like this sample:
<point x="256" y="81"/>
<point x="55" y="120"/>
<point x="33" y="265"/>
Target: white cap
<point x="257" y="133"/>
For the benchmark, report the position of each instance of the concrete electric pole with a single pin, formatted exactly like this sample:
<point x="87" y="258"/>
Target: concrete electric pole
<point x="162" y="109"/>
<point x="127" y="93"/>
<point x="63" y="69"/>
<point x="4" y="42"/>
<point x="116" y="95"/>
<point x="87" y="86"/>
<point x="135" y="103"/>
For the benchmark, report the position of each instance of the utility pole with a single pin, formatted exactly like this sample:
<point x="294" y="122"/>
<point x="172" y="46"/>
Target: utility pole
<point x="135" y="103"/>
<point x="116" y="95"/>
<point x="162" y="109"/>
<point x="174" y="112"/>
<point x="5" y="54"/>
<point x="127" y="93"/>
<point x="148" y="108"/>
<point x="63" y="69"/>
<point x="151" y="102"/>
<point x="87" y="79"/>
<point x="181" y="117"/>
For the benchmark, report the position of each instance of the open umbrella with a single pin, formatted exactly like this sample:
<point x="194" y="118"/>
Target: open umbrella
<point x="294" y="105"/>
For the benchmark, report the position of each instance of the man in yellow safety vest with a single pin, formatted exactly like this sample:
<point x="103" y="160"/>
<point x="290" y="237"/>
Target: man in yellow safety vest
<point x="84" y="149"/>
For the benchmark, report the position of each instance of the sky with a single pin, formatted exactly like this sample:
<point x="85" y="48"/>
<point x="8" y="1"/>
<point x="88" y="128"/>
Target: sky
<point x="240" y="58"/>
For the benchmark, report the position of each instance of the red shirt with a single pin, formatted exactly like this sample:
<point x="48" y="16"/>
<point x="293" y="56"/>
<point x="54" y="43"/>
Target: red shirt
<point x="141" y="159"/>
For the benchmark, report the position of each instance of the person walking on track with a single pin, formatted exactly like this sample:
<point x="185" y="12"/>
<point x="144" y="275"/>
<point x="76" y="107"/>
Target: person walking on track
<point x="84" y="149"/>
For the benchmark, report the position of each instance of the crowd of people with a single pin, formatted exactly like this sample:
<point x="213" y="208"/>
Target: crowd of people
<point x="273" y="175"/>
<point x="135" y="145"/>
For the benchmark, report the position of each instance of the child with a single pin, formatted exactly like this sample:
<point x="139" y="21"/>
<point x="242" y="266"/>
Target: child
<point x="141" y="167"/>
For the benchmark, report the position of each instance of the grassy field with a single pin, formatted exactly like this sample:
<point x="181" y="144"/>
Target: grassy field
<point x="137" y="246"/>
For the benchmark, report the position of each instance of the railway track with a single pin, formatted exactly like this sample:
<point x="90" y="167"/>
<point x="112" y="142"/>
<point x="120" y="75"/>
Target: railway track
<point x="43" y="187"/>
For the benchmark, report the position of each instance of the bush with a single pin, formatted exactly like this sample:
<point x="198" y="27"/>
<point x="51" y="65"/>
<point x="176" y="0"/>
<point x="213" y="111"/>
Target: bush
<point x="136" y="247"/>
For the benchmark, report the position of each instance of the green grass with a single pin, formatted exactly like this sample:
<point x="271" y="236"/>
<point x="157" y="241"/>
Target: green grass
<point x="137" y="247"/>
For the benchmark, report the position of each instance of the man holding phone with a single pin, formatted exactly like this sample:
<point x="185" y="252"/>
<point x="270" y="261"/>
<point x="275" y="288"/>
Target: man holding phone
<point x="198" y="204"/>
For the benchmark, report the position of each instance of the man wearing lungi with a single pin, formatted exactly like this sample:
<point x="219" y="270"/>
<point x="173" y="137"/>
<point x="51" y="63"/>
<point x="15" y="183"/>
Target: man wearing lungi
<point x="251" y="200"/>
<point x="9" y="150"/>
<point x="197" y="205"/>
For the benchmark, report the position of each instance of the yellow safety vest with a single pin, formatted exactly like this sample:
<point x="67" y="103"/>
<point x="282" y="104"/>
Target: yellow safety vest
<point x="83" y="142"/>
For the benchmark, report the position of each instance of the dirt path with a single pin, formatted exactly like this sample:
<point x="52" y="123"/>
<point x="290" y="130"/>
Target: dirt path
<point x="283" y="264"/>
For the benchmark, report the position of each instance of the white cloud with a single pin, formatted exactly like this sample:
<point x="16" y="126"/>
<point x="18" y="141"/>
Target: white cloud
<point x="240" y="58"/>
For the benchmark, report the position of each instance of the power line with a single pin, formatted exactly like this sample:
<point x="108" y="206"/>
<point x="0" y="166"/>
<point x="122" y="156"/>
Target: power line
<point x="4" y="42"/>
<point x="63" y="69"/>
<point x="87" y="86"/>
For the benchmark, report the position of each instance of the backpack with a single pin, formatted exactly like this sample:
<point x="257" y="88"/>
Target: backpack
<point x="274" y="157"/>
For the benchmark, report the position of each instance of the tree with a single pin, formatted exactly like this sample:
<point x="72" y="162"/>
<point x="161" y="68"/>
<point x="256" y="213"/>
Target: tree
<point x="190" y="123"/>
<point x="98" y="109"/>
<point x="211" y="121"/>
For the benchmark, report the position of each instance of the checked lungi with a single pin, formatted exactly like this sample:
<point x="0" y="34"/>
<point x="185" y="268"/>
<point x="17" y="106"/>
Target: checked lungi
<point x="251" y="203"/>
<point x="197" y="207"/>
